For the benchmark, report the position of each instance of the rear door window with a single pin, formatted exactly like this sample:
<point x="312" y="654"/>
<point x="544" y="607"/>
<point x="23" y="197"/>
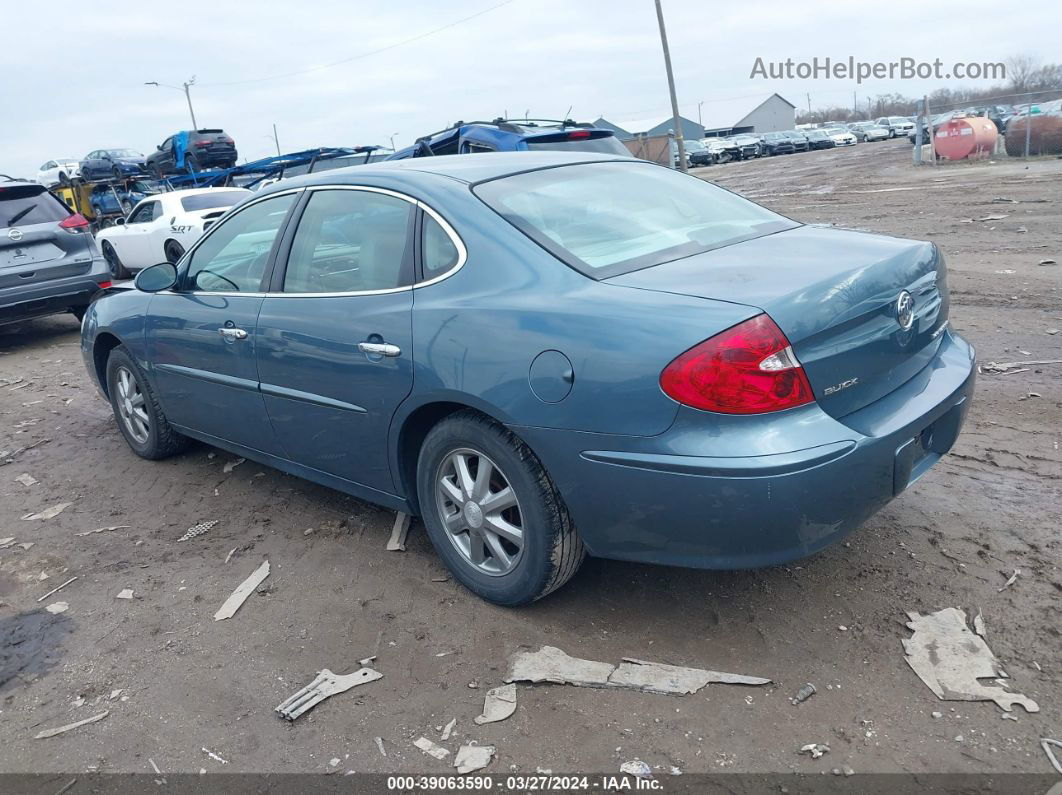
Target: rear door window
<point x="349" y="241"/>
<point x="29" y="204"/>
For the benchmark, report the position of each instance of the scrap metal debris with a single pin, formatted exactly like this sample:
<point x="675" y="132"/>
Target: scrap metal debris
<point x="472" y="757"/>
<point x="26" y="479"/>
<point x="47" y="513"/>
<point x="979" y="624"/>
<point x="52" y="732"/>
<point x="379" y="745"/>
<point x="198" y="529"/>
<point x="1003" y="367"/>
<point x="430" y="748"/>
<point x="950" y="659"/>
<point x="326" y="685"/>
<point x="125" y="593"/>
<point x="231" y="465"/>
<point x="448" y="729"/>
<point x="636" y="767"/>
<point x="399" y="532"/>
<point x="815" y="750"/>
<point x="214" y="756"/>
<point x="55" y="608"/>
<point x="239" y="596"/>
<point x="1046" y="743"/>
<point x="104" y="529"/>
<point x="803" y="694"/>
<point x="57" y="589"/>
<point x="550" y="664"/>
<point x="1010" y="581"/>
<point x="498" y="704"/>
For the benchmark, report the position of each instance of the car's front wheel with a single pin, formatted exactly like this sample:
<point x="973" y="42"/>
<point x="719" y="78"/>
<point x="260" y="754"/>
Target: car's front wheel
<point x="174" y="251"/>
<point x="139" y="416"/>
<point x="492" y="512"/>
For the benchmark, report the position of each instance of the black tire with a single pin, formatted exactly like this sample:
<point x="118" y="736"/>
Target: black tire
<point x="78" y="312"/>
<point x="116" y="173"/>
<point x="174" y="251"/>
<point x="552" y="551"/>
<point x="64" y="180"/>
<point x="160" y="441"/>
<point x="118" y="270"/>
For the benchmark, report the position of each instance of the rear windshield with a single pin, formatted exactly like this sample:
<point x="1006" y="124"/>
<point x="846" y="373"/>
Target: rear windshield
<point x="609" y="218"/>
<point x="29" y="204"/>
<point x="608" y="145"/>
<point x="208" y="201"/>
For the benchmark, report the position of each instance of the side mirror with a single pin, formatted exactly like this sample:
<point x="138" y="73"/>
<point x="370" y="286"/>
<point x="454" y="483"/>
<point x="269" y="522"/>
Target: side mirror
<point x="158" y="277"/>
<point x="119" y="221"/>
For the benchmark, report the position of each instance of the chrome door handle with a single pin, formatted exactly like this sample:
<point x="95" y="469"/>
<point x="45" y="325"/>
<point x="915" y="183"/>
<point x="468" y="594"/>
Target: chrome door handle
<point x="233" y="333"/>
<point x="380" y="348"/>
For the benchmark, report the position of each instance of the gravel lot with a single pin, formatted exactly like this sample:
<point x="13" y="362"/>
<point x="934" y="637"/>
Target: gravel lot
<point x="335" y="595"/>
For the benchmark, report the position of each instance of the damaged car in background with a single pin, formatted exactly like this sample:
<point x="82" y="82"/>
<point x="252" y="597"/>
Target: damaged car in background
<point x="547" y="355"/>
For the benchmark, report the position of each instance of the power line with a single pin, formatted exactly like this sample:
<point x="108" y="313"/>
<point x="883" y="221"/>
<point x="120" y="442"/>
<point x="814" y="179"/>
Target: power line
<point x="359" y="56"/>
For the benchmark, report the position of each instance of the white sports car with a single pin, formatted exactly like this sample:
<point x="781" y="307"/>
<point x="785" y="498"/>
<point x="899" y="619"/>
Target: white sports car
<point x="163" y="226"/>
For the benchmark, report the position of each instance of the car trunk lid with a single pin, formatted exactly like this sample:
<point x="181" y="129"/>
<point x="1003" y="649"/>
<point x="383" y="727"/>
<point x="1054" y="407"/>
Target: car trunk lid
<point x="835" y="294"/>
<point x="33" y="247"/>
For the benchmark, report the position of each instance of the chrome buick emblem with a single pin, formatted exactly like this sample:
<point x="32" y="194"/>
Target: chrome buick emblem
<point x="15" y="234"/>
<point x="905" y="310"/>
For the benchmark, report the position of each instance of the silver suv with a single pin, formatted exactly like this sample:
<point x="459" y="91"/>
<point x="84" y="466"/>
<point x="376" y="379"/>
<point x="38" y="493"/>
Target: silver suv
<point x="49" y="262"/>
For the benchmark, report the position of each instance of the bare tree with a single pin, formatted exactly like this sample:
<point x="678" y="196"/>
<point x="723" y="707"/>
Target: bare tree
<point x="1019" y="69"/>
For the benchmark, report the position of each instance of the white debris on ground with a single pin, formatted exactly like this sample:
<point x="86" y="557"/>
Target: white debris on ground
<point x="56" y="589"/>
<point x="55" y="608"/>
<point x="399" y="533"/>
<point x="231" y="465"/>
<point x="430" y="748"/>
<point x="448" y="729"/>
<point x="60" y="730"/>
<point x="815" y="750"/>
<point x="125" y="593"/>
<point x="498" y="704"/>
<point x="26" y="479"/>
<point x="636" y="767"/>
<point x="472" y="757"/>
<point x="104" y="529"/>
<point x="245" y="589"/>
<point x="952" y="660"/>
<point x="47" y="513"/>
<point x="550" y="664"/>
<point x="214" y="756"/>
<point x="198" y="529"/>
<point x="326" y="685"/>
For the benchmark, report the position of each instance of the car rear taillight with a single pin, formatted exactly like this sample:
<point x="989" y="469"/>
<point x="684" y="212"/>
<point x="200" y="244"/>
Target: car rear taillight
<point x="747" y="369"/>
<point x="578" y="135"/>
<point x="202" y="143"/>
<point x="105" y="285"/>
<point x="74" y="223"/>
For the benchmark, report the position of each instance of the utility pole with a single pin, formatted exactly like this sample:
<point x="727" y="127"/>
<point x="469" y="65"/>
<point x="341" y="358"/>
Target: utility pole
<point x="700" y="121"/>
<point x="679" y="141"/>
<point x="187" y="84"/>
<point x="809" y="103"/>
<point x="275" y="139"/>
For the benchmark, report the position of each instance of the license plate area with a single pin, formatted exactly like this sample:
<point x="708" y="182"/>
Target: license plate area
<point x="923" y="449"/>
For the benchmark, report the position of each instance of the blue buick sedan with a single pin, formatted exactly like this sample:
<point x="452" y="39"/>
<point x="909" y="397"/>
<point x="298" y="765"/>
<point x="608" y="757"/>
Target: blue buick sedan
<point x="548" y="355"/>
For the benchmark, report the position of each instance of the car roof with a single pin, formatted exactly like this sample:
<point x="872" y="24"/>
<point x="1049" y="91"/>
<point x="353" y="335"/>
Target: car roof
<point x="464" y="168"/>
<point x="198" y="191"/>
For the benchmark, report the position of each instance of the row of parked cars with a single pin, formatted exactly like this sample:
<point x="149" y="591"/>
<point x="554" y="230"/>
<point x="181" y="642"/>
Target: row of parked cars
<point x="709" y="151"/>
<point x="183" y="152"/>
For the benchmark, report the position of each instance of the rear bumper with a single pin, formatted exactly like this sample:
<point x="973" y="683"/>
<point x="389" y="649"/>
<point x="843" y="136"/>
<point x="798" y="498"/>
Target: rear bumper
<point x="52" y="297"/>
<point x="741" y="492"/>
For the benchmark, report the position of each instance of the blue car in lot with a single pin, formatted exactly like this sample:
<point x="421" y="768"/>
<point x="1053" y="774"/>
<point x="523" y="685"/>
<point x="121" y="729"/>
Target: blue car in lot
<point x="122" y="198"/>
<point x="546" y="355"/>
<point x="514" y="135"/>
<point x="112" y="164"/>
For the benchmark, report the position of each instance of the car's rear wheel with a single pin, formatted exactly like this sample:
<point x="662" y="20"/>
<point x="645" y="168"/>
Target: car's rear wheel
<point x="492" y="512"/>
<point x="118" y="270"/>
<point x="139" y="416"/>
<point x="174" y="251"/>
<point x="116" y="173"/>
<point x="64" y="180"/>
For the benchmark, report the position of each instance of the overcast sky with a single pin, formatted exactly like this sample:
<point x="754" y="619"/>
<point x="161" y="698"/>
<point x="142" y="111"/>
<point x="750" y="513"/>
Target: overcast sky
<point x="74" y="71"/>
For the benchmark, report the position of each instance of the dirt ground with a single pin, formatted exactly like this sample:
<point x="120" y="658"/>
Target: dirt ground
<point x="189" y="684"/>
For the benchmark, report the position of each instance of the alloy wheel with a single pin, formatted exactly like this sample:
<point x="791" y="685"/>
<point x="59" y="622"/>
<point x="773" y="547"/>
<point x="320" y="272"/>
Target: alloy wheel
<point x="131" y="406"/>
<point x="479" y="511"/>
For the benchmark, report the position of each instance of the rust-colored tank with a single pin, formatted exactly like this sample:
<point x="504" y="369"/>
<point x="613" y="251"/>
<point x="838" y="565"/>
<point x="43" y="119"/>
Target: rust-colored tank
<point x="1045" y="138"/>
<point x="964" y="137"/>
